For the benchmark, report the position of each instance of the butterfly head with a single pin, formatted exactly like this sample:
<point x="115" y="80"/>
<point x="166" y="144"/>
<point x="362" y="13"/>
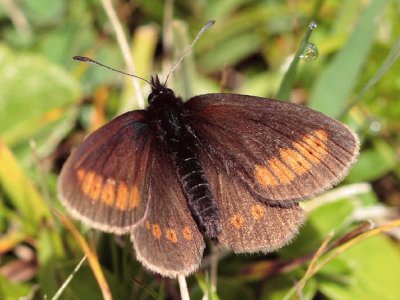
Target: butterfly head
<point x="159" y="91"/>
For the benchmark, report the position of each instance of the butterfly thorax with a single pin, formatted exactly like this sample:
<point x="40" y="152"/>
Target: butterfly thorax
<point x="166" y="111"/>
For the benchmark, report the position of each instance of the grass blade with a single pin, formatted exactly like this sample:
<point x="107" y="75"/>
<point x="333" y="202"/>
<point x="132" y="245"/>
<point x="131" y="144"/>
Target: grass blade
<point x="287" y="82"/>
<point x="332" y="90"/>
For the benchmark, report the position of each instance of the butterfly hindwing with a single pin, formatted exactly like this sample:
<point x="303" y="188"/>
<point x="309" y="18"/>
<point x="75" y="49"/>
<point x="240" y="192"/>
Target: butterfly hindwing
<point x="248" y="224"/>
<point x="102" y="183"/>
<point x="282" y="152"/>
<point x="167" y="240"/>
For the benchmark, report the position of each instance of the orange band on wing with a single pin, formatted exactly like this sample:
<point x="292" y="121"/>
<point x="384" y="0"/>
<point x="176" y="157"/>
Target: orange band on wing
<point x="87" y="182"/>
<point x="97" y="185"/>
<point x="109" y="191"/>
<point x="134" y="197"/>
<point x="265" y="177"/>
<point x="279" y="169"/>
<point x="122" y="196"/>
<point x="295" y="161"/>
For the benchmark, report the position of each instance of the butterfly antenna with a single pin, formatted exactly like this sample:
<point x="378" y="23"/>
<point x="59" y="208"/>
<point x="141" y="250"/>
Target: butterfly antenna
<point x="91" y="61"/>
<point x="189" y="49"/>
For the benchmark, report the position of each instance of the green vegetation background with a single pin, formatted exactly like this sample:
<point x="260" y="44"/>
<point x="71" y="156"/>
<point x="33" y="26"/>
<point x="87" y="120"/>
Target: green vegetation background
<point x="48" y="103"/>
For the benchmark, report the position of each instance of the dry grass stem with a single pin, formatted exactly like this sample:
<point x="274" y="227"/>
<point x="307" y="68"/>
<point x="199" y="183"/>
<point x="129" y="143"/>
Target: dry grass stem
<point x="124" y="46"/>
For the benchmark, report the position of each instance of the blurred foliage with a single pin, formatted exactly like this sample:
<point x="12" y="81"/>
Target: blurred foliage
<point x="48" y="103"/>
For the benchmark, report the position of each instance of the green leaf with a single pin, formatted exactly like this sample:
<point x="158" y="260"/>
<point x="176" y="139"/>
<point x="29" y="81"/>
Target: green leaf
<point x="331" y="92"/>
<point x="49" y="250"/>
<point x="230" y="52"/>
<point x="44" y="11"/>
<point x="218" y="9"/>
<point x="373" y="163"/>
<point x="205" y="285"/>
<point x="32" y="90"/>
<point x="24" y="197"/>
<point x="324" y="219"/>
<point x="12" y="291"/>
<point x="83" y="286"/>
<point x="375" y="272"/>
<point x="233" y="289"/>
<point x="277" y="287"/>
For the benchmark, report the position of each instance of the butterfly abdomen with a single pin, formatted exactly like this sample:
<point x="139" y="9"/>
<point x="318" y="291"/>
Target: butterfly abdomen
<point x="196" y="188"/>
<point x="181" y="146"/>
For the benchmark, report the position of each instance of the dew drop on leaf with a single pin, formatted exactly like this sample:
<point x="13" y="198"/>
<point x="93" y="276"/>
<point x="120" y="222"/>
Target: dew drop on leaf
<point x="310" y="52"/>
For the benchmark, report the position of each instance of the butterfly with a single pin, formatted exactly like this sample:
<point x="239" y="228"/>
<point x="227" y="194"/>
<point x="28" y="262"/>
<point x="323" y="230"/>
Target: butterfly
<point x="227" y="167"/>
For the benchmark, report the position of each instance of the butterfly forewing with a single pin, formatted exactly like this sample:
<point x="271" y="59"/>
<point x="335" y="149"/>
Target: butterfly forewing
<point x="279" y="150"/>
<point x="103" y="181"/>
<point x="167" y="240"/>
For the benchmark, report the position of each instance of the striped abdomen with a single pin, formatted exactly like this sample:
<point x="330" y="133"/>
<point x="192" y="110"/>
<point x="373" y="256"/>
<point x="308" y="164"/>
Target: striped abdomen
<point x="195" y="186"/>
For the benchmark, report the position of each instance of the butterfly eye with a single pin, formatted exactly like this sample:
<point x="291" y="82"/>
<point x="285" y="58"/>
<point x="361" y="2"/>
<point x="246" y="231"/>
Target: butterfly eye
<point x="154" y="94"/>
<point x="165" y="92"/>
<point x="151" y="97"/>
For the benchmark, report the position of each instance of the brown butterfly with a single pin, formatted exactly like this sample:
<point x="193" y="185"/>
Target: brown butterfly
<point x="227" y="167"/>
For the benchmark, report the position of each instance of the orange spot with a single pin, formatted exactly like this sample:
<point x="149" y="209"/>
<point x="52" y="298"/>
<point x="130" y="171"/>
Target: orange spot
<point x="122" y="196"/>
<point x="97" y="184"/>
<point x="108" y="193"/>
<point x="321" y="134"/>
<point x="171" y="235"/>
<point x="87" y="182"/>
<point x="187" y="233"/>
<point x="280" y="170"/>
<point x="313" y="146"/>
<point x="307" y="152"/>
<point x="295" y="161"/>
<point x="147" y="224"/>
<point x="237" y="221"/>
<point x="264" y="176"/>
<point x="316" y="144"/>
<point x="156" y="231"/>
<point x="134" y="197"/>
<point x="257" y="211"/>
<point x="81" y="175"/>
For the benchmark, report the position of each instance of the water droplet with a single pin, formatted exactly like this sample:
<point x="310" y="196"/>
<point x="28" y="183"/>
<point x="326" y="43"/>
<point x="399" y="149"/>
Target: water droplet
<point x="310" y="52"/>
<point x="375" y="126"/>
<point x="313" y="25"/>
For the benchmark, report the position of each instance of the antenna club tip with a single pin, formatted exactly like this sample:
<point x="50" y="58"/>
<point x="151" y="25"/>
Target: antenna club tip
<point x="209" y="24"/>
<point x="80" y="58"/>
